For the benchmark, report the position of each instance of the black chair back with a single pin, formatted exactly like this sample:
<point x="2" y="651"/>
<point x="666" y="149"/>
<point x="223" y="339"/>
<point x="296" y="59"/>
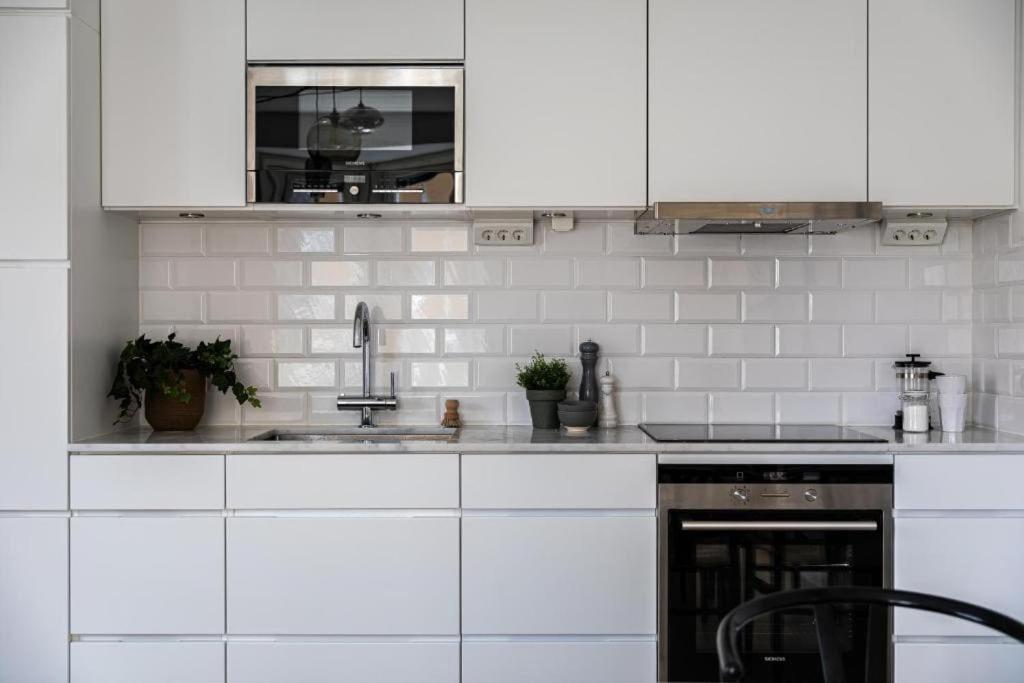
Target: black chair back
<point x="822" y="601"/>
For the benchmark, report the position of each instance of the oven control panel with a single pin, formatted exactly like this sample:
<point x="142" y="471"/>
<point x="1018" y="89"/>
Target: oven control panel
<point x="742" y="495"/>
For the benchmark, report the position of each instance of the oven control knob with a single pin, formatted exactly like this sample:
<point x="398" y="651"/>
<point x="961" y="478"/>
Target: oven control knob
<point x="811" y="495"/>
<point x="740" y="495"/>
<point x="353" y="190"/>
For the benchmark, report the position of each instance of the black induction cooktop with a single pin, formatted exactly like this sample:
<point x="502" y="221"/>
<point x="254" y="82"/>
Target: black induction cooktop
<point x="756" y="433"/>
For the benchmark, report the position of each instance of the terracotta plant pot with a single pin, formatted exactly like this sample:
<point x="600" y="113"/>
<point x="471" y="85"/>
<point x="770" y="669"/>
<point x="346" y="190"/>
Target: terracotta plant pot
<point x="544" y="407"/>
<point x="166" y="414"/>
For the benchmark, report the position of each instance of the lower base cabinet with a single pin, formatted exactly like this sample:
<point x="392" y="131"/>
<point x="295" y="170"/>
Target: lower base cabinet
<point x="959" y="663"/>
<point x="327" y="662"/>
<point x="139" y="662"/>
<point x="559" y="662"/>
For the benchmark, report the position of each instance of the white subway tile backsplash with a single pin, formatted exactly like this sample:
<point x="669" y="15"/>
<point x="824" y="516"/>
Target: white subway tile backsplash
<point x="474" y="273"/>
<point x="622" y="240"/>
<point x="643" y="373"/>
<point x="446" y="373"/>
<point x="258" y="340"/>
<point x="305" y="307"/>
<point x="774" y="245"/>
<point x="848" y="374"/>
<point x="306" y="374"/>
<point x="810" y="273"/>
<point x="497" y="373"/>
<point x="171" y="239"/>
<point x="807" y="408"/>
<point x="1010" y="342"/>
<point x="154" y="273"/>
<point x="693" y="244"/>
<point x="436" y="238"/>
<point x="406" y="340"/>
<point x="705" y="307"/>
<point x="708" y="373"/>
<point x="675" y="273"/>
<point x="774" y="373"/>
<point x="238" y="306"/>
<point x="319" y="240"/>
<point x="507" y="305"/>
<point x="382" y="306"/>
<point x="405" y="274"/>
<point x="237" y="239"/>
<point x="191" y="335"/>
<point x="572" y="306"/>
<point x="480" y="408"/>
<point x="870" y="407"/>
<point x="914" y="306"/>
<point x="875" y="340"/>
<point x="439" y="306"/>
<point x="332" y="340"/>
<point x="172" y="306"/>
<point x="842" y="307"/>
<point x="941" y="340"/>
<point x="858" y="241"/>
<point x="742" y="340"/>
<point x="254" y="372"/>
<point x="608" y="273"/>
<point x="742" y="272"/>
<point x="542" y="273"/>
<point x="339" y="273"/>
<point x="675" y="340"/>
<point x="640" y="306"/>
<point x="939" y="273"/>
<point x="552" y="340"/>
<point x="270" y="274"/>
<point x="276" y="409"/>
<point x="875" y="273"/>
<point x="612" y="339"/>
<point x="957" y="307"/>
<point x="352" y="376"/>
<point x="373" y="239"/>
<point x="758" y="307"/>
<point x="484" y="340"/>
<point x="809" y="340"/>
<point x="203" y="274"/>
<point x="742" y="408"/>
<point x="673" y="406"/>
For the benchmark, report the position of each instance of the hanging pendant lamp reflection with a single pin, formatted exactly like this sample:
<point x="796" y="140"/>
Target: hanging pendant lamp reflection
<point x="329" y="137"/>
<point x="362" y="119"/>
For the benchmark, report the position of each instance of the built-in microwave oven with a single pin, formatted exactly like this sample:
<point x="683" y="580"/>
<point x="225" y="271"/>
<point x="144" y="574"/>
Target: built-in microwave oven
<point x="354" y="134"/>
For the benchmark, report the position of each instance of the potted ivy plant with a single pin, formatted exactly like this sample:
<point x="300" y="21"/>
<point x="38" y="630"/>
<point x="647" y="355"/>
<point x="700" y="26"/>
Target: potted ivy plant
<point x="544" y="380"/>
<point x="169" y="379"/>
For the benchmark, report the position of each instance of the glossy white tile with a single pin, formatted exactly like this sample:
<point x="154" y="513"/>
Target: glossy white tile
<point x="237" y="238"/>
<point x="339" y="273"/>
<point x="675" y="406"/>
<point x="406" y="340"/>
<point x="507" y="305"/>
<point x="154" y="273"/>
<point x="332" y="340"/>
<point x="552" y="340"/>
<point x="742" y="340"/>
<point x="774" y="373"/>
<point x="847" y="374"/>
<point x="405" y="274"/>
<point x="774" y="307"/>
<point x="647" y="306"/>
<point x="373" y="239"/>
<point x="741" y="408"/>
<point x="271" y="273"/>
<point x="707" y="307"/>
<point x="675" y="273"/>
<point x="311" y="240"/>
<point x="730" y="273"/>
<point x="474" y="273"/>
<point x="160" y="306"/>
<point x="203" y="274"/>
<point x="483" y="340"/>
<point x="449" y="238"/>
<point x="446" y="373"/>
<point x="171" y="239"/>
<point x="643" y="373"/>
<point x="612" y="339"/>
<point x="259" y="340"/>
<point x="675" y="340"/>
<point x="608" y="273"/>
<point x="238" y="306"/>
<point x="809" y="340"/>
<point x="708" y="373"/>
<point x="875" y="273"/>
<point x="305" y="307"/>
<point x="808" y="408"/>
<point x="842" y="307"/>
<point x="439" y="306"/>
<point x="382" y="306"/>
<point x="875" y="340"/>
<point x="622" y="240"/>
<point x="810" y="273"/>
<point x="572" y="306"/>
<point x="306" y="374"/>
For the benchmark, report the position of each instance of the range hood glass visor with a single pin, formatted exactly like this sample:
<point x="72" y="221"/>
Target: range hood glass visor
<point x="753" y="218"/>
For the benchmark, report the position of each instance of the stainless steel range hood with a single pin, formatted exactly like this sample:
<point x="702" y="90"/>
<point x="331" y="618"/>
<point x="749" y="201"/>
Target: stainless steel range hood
<point x="756" y="218"/>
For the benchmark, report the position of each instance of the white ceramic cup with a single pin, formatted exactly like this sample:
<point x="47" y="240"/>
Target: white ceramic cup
<point x="953" y="409"/>
<point x="951" y="384"/>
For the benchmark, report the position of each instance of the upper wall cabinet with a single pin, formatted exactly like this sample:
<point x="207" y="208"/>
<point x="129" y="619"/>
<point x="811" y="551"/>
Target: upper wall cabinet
<point x="943" y="96"/>
<point x="33" y="136"/>
<point x="354" y="30"/>
<point x="173" y="102"/>
<point x="758" y="101"/>
<point x="555" y="102"/>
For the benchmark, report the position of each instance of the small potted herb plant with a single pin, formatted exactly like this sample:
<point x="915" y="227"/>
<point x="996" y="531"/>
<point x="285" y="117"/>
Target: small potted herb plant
<point x="544" y="380"/>
<point x="169" y="379"/>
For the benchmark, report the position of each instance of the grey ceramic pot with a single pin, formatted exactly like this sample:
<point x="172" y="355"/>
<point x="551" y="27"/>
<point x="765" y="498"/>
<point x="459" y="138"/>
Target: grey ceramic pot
<point x="544" y="407"/>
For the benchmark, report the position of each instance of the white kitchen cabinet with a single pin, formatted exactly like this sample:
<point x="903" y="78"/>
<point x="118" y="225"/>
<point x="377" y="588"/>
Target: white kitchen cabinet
<point x="555" y="103"/>
<point x="943" y="84"/>
<point x="173" y="100"/>
<point x="559" y="661"/>
<point x="329" y="662"/>
<point x="356" y="480"/>
<point x="570" y="575"/>
<point x="976" y="559"/>
<point x="343" y="575"/>
<point x="33" y="4"/>
<point x="758" y="101"/>
<point x="147" y="662"/>
<point x="34" y="388"/>
<point x="147" y="575"/>
<point x="353" y="31"/>
<point x="147" y="482"/>
<point x="974" y="481"/>
<point x="947" y="662"/>
<point x="34" y="136"/>
<point x="538" y="481"/>
<point x="33" y="599"/>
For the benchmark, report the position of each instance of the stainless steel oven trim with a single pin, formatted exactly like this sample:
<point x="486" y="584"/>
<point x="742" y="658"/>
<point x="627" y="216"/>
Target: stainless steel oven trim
<point x="844" y="497"/>
<point x="352" y="76"/>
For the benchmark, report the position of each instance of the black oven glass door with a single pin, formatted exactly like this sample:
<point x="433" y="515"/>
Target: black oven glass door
<point x="712" y="570"/>
<point x="375" y="135"/>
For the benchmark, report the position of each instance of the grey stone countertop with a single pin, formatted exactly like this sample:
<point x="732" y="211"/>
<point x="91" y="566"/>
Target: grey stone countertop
<point x="502" y="439"/>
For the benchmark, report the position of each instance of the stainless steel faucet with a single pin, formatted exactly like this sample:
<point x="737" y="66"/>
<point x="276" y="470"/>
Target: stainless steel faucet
<point x="367" y="402"/>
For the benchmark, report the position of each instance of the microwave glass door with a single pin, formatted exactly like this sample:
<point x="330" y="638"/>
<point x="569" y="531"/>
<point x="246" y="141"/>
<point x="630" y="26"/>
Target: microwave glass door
<point x="379" y="135"/>
<point x="712" y="571"/>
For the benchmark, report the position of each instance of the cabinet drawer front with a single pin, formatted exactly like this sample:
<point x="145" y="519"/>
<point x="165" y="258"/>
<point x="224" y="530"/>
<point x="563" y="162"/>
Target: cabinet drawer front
<point x="371" y="480"/>
<point x="147" y="482"/>
<point x="147" y="575"/>
<point x="959" y="663"/>
<point x="977" y="560"/>
<point x="343" y="576"/>
<point x="558" y="575"/>
<point x="959" y="482"/>
<point x="559" y="662"/>
<point x="386" y="662"/>
<point x="150" y="662"/>
<point x="552" y="481"/>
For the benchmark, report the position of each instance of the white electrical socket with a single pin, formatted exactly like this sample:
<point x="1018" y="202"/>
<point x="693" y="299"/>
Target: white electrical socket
<point x="913" y="232"/>
<point x="499" y="233"/>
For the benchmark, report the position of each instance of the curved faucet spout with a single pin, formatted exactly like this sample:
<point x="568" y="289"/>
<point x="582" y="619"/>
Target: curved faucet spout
<point x="361" y="339"/>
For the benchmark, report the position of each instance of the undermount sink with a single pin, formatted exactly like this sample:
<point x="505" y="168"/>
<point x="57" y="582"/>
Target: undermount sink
<point x="359" y="434"/>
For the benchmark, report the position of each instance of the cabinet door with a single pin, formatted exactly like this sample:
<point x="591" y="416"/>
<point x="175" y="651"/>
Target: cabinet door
<point x="173" y="78"/>
<point x="343" y="576"/>
<point x="978" y="560"/>
<point x="140" y="662"/>
<point x="958" y="482"/>
<point x="758" y="101"/>
<point x="33" y="599"/>
<point x="34" y="136"/>
<point x="959" y="663"/>
<point x="34" y="388"/>
<point x="147" y="575"/>
<point x="943" y="96"/>
<point x="325" y="662"/>
<point x="555" y="102"/>
<point x="559" y="662"/>
<point x="558" y="575"/>
<point x="351" y="30"/>
<point x="147" y="482"/>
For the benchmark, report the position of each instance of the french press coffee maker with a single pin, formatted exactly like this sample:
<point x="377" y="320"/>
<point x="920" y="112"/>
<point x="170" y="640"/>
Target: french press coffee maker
<point x="914" y="375"/>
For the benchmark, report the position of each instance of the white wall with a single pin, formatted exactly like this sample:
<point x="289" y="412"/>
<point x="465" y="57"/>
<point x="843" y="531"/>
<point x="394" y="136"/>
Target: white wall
<point x="755" y="329"/>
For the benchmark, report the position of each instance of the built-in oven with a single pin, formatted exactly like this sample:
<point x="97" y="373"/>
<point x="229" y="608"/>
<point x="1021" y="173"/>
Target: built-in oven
<point x="731" y="533"/>
<point x="355" y="134"/>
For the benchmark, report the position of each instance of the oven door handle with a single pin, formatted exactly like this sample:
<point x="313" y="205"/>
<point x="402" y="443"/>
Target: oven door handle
<point x="867" y="525"/>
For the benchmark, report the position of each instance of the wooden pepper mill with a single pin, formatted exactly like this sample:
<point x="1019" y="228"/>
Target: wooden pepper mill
<point x="451" y="414"/>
